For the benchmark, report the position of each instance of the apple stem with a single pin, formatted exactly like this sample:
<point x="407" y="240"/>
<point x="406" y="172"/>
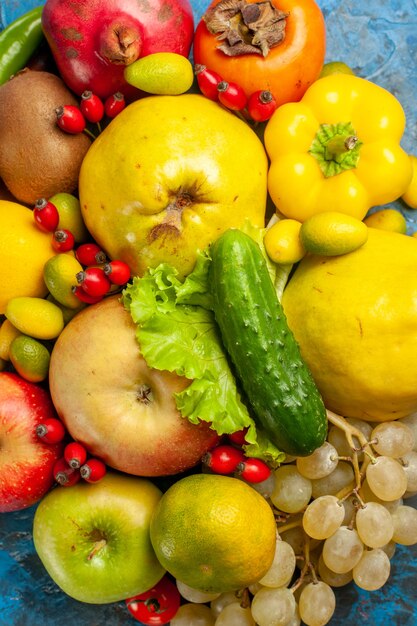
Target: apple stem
<point x="97" y="547"/>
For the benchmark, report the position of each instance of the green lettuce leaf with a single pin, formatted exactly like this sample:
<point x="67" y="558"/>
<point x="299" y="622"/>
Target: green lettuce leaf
<point x="177" y="332"/>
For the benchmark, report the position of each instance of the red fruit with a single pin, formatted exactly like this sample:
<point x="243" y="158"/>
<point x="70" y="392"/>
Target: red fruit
<point x="231" y="95"/>
<point x="93" y="470"/>
<point x="46" y="215"/>
<point x="92" y="42"/>
<point x="208" y="81"/>
<point x="91" y="107"/>
<point x="118" y="272"/>
<point x="261" y="105"/>
<point x="223" y="459"/>
<point x="26" y="461"/>
<point x="70" y="119"/>
<point x="157" y="605"/>
<point x="83" y="296"/>
<point x="238" y="437"/>
<point x="65" y="475"/>
<point x="51" y="430"/>
<point x="90" y="254"/>
<point x="75" y="454"/>
<point x="63" y="240"/>
<point x="114" y="104"/>
<point x="94" y="281"/>
<point x="253" y="470"/>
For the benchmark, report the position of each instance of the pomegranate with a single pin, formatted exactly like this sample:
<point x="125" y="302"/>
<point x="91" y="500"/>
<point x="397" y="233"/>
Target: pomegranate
<point x="93" y="40"/>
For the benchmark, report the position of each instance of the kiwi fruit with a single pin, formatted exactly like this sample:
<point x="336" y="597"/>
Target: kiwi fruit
<point x="37" y="158"/>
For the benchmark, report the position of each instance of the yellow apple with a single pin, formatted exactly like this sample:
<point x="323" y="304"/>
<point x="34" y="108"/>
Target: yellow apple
<point x="167" y="176"/>
<point x="109" y="399"/>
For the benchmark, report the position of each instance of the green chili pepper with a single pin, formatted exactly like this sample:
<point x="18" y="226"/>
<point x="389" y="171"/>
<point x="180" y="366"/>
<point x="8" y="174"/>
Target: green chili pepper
<point x="18" y="41"/>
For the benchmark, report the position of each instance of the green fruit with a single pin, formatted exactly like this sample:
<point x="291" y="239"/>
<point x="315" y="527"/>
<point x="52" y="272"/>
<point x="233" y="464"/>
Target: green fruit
<point x="335" y="67"/>
<point x="161" y="73"/>
<point x="59" y="274"/>
<point x="70" y="217"/>
<point x="30" y="358"/>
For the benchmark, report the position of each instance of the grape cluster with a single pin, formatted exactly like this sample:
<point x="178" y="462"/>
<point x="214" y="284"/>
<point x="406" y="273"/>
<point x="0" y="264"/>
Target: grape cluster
<point x="340" y="514"/>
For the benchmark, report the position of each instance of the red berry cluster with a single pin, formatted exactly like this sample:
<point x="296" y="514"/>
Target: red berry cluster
<point x="75" y="463"/>
<point x="46" y="216"/>
<point x="259" y="106"/>
<point x="99" y="275"/>
<point x="230" y="459"/>
<point x="74" y="119"/>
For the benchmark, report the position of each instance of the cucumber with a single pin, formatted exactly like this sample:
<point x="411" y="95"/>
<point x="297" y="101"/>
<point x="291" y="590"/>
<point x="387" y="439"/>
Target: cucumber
<point x="278" y="385"/>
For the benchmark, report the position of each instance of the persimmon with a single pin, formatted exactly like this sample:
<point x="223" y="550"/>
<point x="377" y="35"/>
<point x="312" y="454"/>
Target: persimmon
<point x="273" y="45"/>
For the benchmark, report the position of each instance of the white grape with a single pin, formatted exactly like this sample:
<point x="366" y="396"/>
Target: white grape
<point x="332" y="578"/>
<point x="193" y="615"/>
<point x="373" y="570"/>
<point x="341" y="476"/>
<point x="386" y="478"/>
<point x="405" y="525"/>
<point x="350" y="510"/>
<point x="235" y="615"/>
<point x="323" y="517"/>
<point x="343" y="550"/>
<point x="292" y="492"/>
<point x="390" y="549"/>
<point x="194" y="595"/>
<point x="217" y="605"/>
<point x="392" y="439"/>
<point x="317" y="604"/>
<point x="374" y="525"/>
<point x="273" y="607"/>
<point x="319" y="464"/>
<point x="282" y="568"/>
<point x="411" y="422"/>
<point x="409" y="463"/>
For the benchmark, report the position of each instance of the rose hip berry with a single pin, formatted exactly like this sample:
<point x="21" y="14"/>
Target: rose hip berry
<point x="75" y="454"/>
<point x="46" y="215"/>
<point x="208" y="81"/>
<point x="65" y="475"/>
<point x="118" y="272"/>
<point x="83" y="296"/>
<point x="253" y="470"/>
<point x="239" y="437"/>
<point x="231" y="95"/>
<point x="63" y="240"/>
<point x="90" y="254"/>
<point x="70" y="119"/>
<point x="114" y="104"/>
<point x="93" y="470"/>
<point x="94" y="281"/>
<point x="91" y="107"/>
<point x="261" y="105"/>
<point x="51" y="430"/>
<point x="223" y="459"/>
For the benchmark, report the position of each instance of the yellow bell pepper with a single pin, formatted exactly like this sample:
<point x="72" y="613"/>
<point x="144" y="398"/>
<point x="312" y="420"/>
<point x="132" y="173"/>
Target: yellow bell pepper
<point x="338" y="149"/>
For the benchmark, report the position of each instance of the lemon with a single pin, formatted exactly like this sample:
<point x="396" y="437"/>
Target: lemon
<point x="282" y="242"/>
<point x="387" y="219"/>
<point x="161" y="73"/>
<point x="214" y="533"/>
<point x="335" y="67"/>
<point x="355" y="319"/>
<point x="24" y="250"/>
<point x="410" y="196"/>
<point x="332" y="233"/>
<point x="30" y="358"/>
<point x="35" y="317"/>
<point x="8" y="332"/>
<point x="70" y="216"/>
<point x="59" y="275"/>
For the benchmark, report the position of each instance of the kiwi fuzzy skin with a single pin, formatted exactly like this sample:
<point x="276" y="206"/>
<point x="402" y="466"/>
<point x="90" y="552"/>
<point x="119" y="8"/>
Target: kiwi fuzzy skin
<point x="37" y="158"/>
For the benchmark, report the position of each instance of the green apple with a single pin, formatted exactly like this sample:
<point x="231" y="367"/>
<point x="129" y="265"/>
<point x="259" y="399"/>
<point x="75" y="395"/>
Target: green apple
<point x="93" y="538"/>
<point x="167" y="176"/>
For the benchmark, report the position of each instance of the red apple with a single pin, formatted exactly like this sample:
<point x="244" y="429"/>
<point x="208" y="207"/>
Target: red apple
<point x="121" y="410"/>
<point x="26" y="462"/>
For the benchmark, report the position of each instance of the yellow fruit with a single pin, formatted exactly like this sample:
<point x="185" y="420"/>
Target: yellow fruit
<point x="70" y="216"/>
<point x="24" y="250"/>
<point x="30" y="358"/>
<point x="410" y="196"/>
<point x="167" y="177"/>
<point x="387" y="219"/>
<point x="282" y="242"/>
<point x="67" y="313"/>
<point x="60" y="276"/>
<point x="8" y="332"/>
<point x="332" y="233"/>
<point x="162" y="73"/>
<point x="355" y="318"/>
<point x="214" y="533"/>
<point x="335" y="67"/>
<point x="35" y="317"/>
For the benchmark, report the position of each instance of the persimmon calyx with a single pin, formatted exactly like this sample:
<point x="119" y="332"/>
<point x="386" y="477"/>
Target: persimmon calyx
<point x="246" y="27"/>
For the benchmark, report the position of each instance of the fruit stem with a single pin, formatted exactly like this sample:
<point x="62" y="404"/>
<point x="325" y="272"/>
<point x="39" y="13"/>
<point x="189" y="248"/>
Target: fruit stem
<point x="89" y="133"/>
<point x="99" y="545"/>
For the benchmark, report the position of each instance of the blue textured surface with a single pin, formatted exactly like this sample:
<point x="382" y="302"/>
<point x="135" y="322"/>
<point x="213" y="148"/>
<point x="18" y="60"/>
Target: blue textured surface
<point x="378" y="39"/>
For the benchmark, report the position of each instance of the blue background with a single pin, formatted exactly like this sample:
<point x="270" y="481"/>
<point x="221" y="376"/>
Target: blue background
<point x="378" y="39"/>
